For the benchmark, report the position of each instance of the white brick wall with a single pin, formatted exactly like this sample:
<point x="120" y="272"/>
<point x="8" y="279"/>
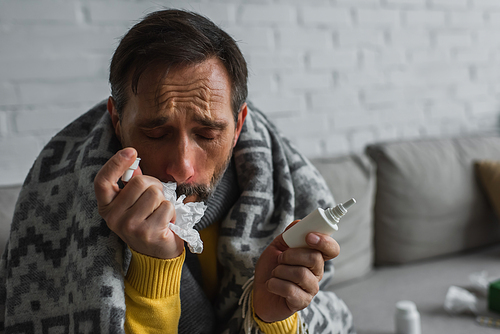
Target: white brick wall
<point x="334" y="75"/>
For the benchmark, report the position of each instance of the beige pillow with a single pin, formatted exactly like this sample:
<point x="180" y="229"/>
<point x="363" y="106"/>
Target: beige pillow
<point x="488" y="172"/>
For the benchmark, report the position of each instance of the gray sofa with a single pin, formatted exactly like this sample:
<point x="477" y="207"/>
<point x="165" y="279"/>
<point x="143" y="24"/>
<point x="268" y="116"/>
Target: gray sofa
<point x="422" y="223"/>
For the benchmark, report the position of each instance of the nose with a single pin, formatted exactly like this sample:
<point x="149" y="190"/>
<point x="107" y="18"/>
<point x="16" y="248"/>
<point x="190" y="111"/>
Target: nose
<point x="181" y="165"/>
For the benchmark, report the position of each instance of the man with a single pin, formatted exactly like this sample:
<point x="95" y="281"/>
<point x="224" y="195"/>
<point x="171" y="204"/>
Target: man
<point x="88" y="253"/>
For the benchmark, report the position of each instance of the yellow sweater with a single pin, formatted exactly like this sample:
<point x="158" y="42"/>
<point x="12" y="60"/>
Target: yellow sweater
<point x="152" y="291"/>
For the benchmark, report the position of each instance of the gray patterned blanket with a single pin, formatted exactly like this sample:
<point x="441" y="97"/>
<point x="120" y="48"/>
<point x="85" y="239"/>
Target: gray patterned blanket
<point x="63" y="269"/>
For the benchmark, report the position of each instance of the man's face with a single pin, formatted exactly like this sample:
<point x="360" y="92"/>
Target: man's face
<point x="182" y="126"/>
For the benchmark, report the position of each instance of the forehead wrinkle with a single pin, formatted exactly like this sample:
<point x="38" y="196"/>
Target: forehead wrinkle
<point x="198" y="98"/>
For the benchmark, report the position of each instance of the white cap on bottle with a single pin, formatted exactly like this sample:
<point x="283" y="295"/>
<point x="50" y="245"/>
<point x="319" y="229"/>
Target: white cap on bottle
<point x="407" y="318"/>
<point x="130" y="171"/>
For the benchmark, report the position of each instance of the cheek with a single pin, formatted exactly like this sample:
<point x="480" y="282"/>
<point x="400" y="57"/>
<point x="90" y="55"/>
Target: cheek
<point x="212" y="158"/>
<point x="209" y="157"/>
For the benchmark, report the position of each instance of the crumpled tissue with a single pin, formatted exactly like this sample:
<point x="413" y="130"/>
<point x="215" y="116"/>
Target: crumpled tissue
<point x="459" y="300"/>
<point x="187" y="216"/>
<point x="480" y="282"/>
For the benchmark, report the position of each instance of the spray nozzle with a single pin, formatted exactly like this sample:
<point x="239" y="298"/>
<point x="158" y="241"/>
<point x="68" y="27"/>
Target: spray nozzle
<point x="337" y="212"/>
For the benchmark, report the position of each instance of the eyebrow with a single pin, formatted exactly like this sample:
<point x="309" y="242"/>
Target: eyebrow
<point x="211" y="123"/>
<point x="153" y="122"/>
<point x="204" y="121"/>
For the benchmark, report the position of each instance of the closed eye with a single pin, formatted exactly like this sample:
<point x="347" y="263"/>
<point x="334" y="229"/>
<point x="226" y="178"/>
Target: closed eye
<point x="156" y="133"/>
<point x="207" y="133"/>
<point x="157" y="137"/>
<point x="207" y="138"/>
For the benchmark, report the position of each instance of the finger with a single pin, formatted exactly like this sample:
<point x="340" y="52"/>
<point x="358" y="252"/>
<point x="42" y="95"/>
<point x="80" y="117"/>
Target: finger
<point x="325" y="244"/>
<point x="146" y="203"/>
<point x="301" y="276"/>
<point x="305" y="257"/>
<point x="137" y="171"/>
<point x="165" y="244"/>
<point x="296" y="298"/>
<point x="154" y="228"/>
<point x="165" y="213"/>
<point x="135" y="189"/>
<point x="105" y="182"/>
<point x="291" y="224"/>
<point x="158" y="222"/>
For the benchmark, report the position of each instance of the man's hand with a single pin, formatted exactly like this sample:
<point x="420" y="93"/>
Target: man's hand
<point x="138" y="213"/>
<point x="287" y="279"/>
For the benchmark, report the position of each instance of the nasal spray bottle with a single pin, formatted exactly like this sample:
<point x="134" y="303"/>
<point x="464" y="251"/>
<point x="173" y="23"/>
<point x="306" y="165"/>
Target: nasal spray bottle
<point x="320" y="221"/>
<point x="130" y="171"/>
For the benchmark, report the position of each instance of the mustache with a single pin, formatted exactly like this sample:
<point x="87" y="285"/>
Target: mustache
<point x="202" y="192"/>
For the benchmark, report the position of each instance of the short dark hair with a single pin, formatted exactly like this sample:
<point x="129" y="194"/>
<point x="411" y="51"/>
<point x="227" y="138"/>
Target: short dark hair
<point x="175" y="38"/>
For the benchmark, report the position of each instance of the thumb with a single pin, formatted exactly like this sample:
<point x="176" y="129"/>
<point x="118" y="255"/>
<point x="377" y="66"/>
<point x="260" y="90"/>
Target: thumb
<point x="105" y="183"/>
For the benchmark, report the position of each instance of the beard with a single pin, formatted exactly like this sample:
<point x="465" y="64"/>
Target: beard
<point x="203" y="192"/>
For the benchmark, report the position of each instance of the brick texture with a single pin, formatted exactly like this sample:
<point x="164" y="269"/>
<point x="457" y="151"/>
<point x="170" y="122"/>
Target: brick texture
<point x="333" y="75"/>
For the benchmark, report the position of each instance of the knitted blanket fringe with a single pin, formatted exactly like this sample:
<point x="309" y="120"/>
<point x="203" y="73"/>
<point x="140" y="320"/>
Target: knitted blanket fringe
<point x="249" y="324"/>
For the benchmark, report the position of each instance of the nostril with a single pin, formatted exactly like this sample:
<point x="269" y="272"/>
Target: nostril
<point x="181" y="173"/>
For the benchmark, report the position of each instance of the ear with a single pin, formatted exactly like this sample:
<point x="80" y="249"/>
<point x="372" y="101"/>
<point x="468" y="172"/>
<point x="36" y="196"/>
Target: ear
<point x="115" y="118"/>
<point x="239" y="124"/>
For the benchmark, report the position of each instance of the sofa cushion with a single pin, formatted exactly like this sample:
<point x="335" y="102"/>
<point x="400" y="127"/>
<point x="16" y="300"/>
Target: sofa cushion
<point x="352" y="176"/>
<point x="488" y="172"/>
<point x="8" y="198"/>
<point x="428" y="200"/>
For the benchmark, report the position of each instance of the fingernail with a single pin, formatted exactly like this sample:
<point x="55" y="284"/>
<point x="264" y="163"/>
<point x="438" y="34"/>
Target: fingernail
<point x="127" y="153"/>
<point x="312" y="239"/>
